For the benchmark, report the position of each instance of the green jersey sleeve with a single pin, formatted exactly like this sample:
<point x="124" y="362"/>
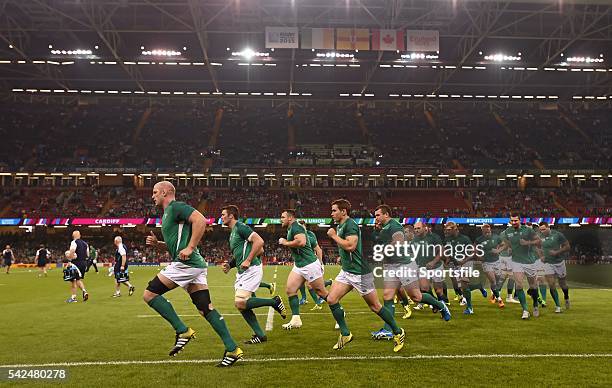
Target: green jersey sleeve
<point x="244" y="231"/>
<point x="183" y="211"/>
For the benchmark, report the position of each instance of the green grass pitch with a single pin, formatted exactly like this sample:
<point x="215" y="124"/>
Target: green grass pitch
<point x="552" y="350"/>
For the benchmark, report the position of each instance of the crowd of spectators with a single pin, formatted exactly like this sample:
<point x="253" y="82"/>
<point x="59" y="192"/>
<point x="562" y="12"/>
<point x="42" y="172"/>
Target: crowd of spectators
<point x="55" y="202"/>
<point x="178" y="136"/>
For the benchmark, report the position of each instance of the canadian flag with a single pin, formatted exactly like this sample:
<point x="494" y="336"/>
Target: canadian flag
<point x="388" y="40"/>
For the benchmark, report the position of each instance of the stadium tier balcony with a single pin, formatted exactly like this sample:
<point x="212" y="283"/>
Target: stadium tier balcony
<point x="180" y="137"/>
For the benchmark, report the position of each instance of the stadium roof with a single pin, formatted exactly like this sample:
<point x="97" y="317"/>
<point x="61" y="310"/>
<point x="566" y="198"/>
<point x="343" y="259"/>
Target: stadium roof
<point x="545" y="33"/>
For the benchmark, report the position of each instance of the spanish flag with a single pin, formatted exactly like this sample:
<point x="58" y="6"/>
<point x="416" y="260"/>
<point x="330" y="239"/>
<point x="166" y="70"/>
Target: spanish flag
<point x="352" y="39"/>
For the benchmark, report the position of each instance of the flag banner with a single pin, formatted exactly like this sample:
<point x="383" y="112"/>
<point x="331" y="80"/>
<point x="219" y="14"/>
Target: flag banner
<point x="108" y="221"/>
<point x="423" y="40"/>
<point x="568" y="220"/>
<point x="352" y="39"/>
<point x="282" y="37"/>
<point x="317" y="38"/>
<point x="388" y="40"/>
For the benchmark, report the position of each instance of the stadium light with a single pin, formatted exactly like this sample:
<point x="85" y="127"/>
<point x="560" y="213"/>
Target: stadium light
<point x="161" y="53"/>
<point x="334" y="54"/>
<point x="502" y="58"/>
<point x="71" y="52"/>
<point x="585" y="59"/>
<point x="249" y="54"/>
<point x="417" y="56"/>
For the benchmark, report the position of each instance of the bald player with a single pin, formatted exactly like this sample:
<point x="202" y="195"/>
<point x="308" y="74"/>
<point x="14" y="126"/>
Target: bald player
<point x="121" y="269"/>
<point x="182" y="228"/>
<point x="78" y="254"/>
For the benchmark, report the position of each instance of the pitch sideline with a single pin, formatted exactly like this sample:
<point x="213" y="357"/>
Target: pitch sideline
<point x="338" y="358"/>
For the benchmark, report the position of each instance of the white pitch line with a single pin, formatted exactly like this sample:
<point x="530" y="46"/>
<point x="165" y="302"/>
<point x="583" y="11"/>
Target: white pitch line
<point x="270" y="318"/>
<point x="306" y="358"/>
<point x="260" y="314"/>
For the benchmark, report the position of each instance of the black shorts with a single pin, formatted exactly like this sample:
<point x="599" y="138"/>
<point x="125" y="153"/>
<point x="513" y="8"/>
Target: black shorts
<point x="82" y="266"/>
<point x="7" y="263"/>
<point x="41" y="263"/>
<point x="121" y="276"/>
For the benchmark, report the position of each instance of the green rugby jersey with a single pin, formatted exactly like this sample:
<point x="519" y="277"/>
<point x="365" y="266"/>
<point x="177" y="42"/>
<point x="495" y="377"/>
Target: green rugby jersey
<point x="427" y="248"/>
<point x="302" y="256"/>
<point x="241" y="246"/>
<point x="312" y="238"/>
<point x="523" y="254"/>
<point x="176" y="230"/>
<point x="488" y="244"/>
<point x="352" y="262"/>
<point x="553" y="242"/>
<point x="459" y="240"/>
<point x="384" y="236"/>
<point x="93" y="254"/>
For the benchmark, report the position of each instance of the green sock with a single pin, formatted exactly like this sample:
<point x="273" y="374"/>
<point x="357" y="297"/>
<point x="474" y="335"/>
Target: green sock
<point x="520" y="293"/>
<point x="165" y="309"/>
<point x="495" y="292"/>
<point x="265" y="285"/>
<point x="391" y="307"/>
<point x="467" y="294"/>
<point x="328" y="283"/>
<point x="338" y="313"/>
<point x="404" y="299"/>
<point x="430" y="300"/>
<point x="250" y="317"/>
<point x="388" y="317"/>
<point x="218" y="324"/>
<point x="555" y="295"/>
<point x="253" y="303"/>
<point x="543" y="292"/>
<point x="303" y="291"/>
<point x="294" y="303"/>
<point x="314" y="295"/>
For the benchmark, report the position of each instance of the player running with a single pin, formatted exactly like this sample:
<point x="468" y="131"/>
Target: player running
<point x="78" y="255"/>
<point x="319" y="253"/>
<point x="93" y="259"/>
<point x="8" y="258"/>
<point x="122" y="275"/>
<point x="429" y="257"/>
<point x="355" y="274"/>
<point x="555" y="249"/>
<point x="523" y="241"/>
<point x="246" y="247"/>
<point x="491" y="244"/>
<point x="306" y="268"/>
<point x="182" y="228"/>
<point x="460" y="243"/>
<point x="400" y="271"/>
<point x="42" y="260"/>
